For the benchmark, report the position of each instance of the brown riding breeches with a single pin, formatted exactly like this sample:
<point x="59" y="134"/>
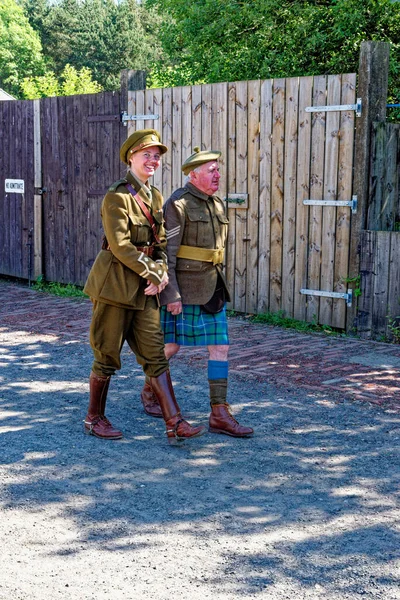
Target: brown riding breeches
<point x="111" y="326"/>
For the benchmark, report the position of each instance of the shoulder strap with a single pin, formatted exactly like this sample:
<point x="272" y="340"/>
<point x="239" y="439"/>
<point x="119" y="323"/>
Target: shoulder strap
<point x="144" y="210"/>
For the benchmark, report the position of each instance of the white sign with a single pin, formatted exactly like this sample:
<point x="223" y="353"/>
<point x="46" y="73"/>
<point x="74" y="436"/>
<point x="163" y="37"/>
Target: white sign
<point x="15" y="186"/>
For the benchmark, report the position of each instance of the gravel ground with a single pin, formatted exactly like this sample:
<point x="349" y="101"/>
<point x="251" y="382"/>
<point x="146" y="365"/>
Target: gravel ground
<point x="307" y="509"/>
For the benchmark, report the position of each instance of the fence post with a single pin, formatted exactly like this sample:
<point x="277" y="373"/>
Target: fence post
<point x="372" y="89"/>
<point x="38" y="197"/>
<point x="131" y="81"/>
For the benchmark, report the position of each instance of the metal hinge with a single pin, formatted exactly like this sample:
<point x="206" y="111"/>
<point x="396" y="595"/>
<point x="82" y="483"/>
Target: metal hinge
<point x="345" y="296"/>
<point x="125" y="118"/>
<point x="351" y="203"/>
<point x="357" y="107"/>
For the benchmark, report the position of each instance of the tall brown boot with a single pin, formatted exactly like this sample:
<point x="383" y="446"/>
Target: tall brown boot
<point x="96" y="423"/>
<point x="221" y="419"/>
<point x="178" y="429"/>
<point x="149" y="400"/>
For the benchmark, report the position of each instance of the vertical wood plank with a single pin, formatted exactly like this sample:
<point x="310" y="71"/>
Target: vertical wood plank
<point x="316" y="193"/>
<point x="303" y="192"/>
<point x="241" y="183"/>
<point x="391" y="192"/>
<point x="167" y="140"/>
<point x="343" y="214"/>
<point x="289" y="199"/>
<point x="377" y="174"/>
<point x="264" y="206"/>
<point x="231" y="242"/>
<point x="157" y="109"/>
<point x="366" y="300"/>
<point x="330" y="193"/>
<point x="206" y="117"/>
<point x="196" y="116"/>
<point x="132" y="110"/>
<point x="176" y="137"/>
<point x="394" y="282"/>
<point x="186" y="131"/>
<point x="381" y="283"/>
<point x="278" y="160"/>
<point x="253" y="143"/>
<point x="139" y="110"/>
<point x="219" y="131"/>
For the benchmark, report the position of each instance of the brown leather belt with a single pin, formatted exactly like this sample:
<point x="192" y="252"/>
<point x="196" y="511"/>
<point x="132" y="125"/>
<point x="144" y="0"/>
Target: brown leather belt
<point x="148" y="250"/>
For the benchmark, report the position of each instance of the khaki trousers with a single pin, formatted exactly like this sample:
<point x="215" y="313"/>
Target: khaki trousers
<point x="112" y="326"/>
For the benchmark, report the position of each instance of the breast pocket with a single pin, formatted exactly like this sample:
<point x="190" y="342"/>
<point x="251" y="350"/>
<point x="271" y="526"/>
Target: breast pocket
<point x="198" y="230"/>
<point x="140" y="231"/>
<point x="223" y="229"/>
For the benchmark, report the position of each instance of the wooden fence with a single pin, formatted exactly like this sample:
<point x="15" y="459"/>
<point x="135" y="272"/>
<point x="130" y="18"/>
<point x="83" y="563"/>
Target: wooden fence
<point x="275" y="154"/>
<point x="384" y="189"/>
<point x="379" y="303"/>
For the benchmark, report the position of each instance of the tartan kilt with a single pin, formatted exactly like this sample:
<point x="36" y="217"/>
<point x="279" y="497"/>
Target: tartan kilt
<point x="195" y="327"/>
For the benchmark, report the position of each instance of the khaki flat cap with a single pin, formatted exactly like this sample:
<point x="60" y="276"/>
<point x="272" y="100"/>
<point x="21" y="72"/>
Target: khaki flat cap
<point x="142" y="138"/>
<point x="199" y="157"/>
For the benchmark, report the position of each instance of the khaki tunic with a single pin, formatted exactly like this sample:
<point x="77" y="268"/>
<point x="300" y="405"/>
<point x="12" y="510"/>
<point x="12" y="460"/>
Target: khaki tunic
<point x="193" y="218"/>
<point x="116" y="283"/>
<point x="119" y="275"/>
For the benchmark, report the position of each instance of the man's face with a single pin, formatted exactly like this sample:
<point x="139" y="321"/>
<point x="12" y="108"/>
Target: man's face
<point x="145" y="162"/>
<point x="206" y="177"/>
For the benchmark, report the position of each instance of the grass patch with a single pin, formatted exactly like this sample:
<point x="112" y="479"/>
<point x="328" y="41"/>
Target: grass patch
<point x="65" y="290"/>
<point x="279" y="319"/>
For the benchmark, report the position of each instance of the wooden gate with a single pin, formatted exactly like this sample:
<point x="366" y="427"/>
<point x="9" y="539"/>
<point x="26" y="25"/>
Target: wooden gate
<point x="275" y="155"/>
<point x="16" y="208"/>
<point x="80" y="137"/>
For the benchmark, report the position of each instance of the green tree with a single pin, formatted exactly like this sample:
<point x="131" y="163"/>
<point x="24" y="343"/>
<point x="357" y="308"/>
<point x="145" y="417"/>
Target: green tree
<point x="20" y="48"/>
<point x="222" y="40"/>
<point x="102" y="35"/>
<point x="71" y="82"/>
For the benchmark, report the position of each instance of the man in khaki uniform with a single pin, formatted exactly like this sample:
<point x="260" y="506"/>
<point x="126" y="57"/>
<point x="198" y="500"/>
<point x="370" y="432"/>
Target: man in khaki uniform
<point x="124" y="282"/>
<point x="193" y="311"/>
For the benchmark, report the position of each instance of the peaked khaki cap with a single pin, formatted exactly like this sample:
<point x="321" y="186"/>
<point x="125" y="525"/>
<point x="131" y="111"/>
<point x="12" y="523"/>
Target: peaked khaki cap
<point x="199" y="157"/>
<point x="142" y="138"/>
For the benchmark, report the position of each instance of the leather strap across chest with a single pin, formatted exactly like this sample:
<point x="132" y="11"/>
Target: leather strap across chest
<point x="144" y="210"/>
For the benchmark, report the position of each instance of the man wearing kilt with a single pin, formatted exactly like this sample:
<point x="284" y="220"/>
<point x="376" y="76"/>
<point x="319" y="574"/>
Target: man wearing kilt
<point x="193" y="309"/>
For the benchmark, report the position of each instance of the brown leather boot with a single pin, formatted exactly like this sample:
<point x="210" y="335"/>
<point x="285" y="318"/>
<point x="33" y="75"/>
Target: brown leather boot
<point x="96" y="423"/>
<point x="150" y="402"/>
<point x="221" y="421"/>
<point x="178" y="429"/>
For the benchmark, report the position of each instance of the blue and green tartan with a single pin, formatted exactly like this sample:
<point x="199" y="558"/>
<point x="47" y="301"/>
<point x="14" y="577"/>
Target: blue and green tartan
<point x="195" y="327"/>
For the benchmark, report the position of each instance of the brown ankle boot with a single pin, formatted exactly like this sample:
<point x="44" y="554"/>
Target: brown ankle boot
<point x="178" y="429"/>
<point x="96" y="423"/>
<point x="150" y="402"/>
<point x="221" y="421"/>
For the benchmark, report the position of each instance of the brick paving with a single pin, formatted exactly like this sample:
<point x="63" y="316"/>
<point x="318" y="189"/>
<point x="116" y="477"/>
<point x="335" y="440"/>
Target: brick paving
<point x="349" y="368"/>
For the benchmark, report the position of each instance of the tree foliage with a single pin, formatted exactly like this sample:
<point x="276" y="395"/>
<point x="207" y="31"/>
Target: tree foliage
<point x="227" y="40"/>
<point x="20" y="48"/>
<point x="101" y="35"/>
<point x="70" y="82"/>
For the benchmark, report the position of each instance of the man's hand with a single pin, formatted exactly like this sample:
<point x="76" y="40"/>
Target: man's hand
<point x="175" y="308"/>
